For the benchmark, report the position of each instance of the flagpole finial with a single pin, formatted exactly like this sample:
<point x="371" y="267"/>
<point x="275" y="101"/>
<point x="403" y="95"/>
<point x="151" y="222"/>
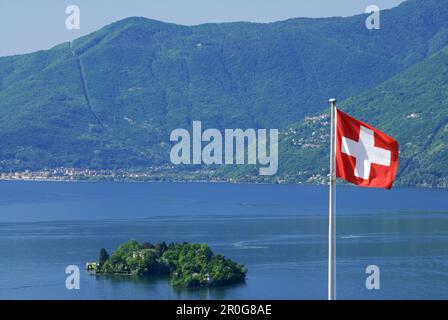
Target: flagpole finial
<point x="332" y="101"/>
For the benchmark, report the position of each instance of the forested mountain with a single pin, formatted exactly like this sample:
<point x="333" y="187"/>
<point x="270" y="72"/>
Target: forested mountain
<point x="110" y="99"/>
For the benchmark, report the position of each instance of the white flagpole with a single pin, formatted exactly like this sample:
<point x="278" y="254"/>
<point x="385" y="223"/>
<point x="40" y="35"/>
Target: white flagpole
<point x="332" y="208"/>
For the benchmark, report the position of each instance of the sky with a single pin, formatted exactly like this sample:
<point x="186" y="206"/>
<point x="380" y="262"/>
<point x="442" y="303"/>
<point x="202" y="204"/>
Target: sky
<point x="31" y="25"/>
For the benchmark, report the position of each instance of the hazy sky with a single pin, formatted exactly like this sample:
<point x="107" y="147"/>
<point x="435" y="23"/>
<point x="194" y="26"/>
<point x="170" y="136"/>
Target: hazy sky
<point x="30" y="25"/>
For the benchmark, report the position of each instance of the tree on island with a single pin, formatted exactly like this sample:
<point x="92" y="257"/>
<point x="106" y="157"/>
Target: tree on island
<point x="104" y="256"/>
<point x="148" y="245"/>
<point x="161" y="248"/>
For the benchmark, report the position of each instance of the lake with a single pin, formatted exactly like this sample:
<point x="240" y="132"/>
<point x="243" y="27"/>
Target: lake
<point x="278" y="231"/>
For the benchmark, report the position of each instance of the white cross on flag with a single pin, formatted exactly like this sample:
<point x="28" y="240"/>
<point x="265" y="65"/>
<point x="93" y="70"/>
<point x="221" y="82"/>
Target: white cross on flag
<point x="365" y="156"/>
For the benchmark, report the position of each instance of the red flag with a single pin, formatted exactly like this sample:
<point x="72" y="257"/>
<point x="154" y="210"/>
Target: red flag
<point x="365" y="156"/>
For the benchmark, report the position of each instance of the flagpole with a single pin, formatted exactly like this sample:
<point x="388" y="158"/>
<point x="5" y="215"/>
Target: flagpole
<point x="332" y="209"/>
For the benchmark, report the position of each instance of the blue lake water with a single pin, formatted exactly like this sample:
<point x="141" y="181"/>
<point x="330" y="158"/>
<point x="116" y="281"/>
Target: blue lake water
<point x="278" y="231"/>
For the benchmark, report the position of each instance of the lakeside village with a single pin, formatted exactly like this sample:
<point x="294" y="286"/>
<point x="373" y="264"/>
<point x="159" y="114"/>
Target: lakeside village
<point x="153" y="174"/>
<point x="160" y="173"/>
<point x="76" y="174"/>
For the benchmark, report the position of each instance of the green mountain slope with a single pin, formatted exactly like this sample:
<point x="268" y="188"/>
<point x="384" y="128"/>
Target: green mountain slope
<point x="411" y="107"/>
<point x="110" y="99"/>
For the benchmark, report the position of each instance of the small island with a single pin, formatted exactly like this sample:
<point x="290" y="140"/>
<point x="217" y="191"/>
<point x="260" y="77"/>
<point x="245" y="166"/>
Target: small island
<point x="189" y="265"/>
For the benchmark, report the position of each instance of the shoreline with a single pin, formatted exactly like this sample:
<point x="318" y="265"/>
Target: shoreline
<point x="112" y="180"/>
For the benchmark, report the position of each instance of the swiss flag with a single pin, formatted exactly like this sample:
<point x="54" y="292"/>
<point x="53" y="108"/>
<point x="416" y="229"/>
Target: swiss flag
<point x="365" y="156"/>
